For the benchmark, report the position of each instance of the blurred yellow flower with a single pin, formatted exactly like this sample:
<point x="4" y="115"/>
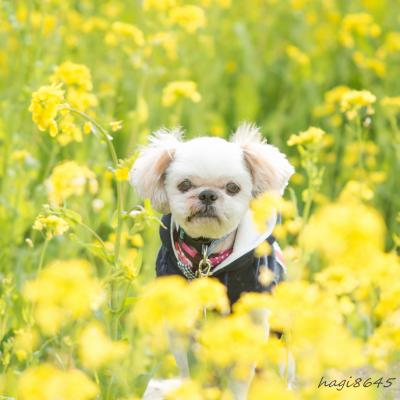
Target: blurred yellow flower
<point x="25" y="342"/>
<point x="297" y="55"/>
<point x="234" y="341"/>
<point x="46" y="382"/>
<point x="160" y="299"/>
<point x="358" y="24"/>
<point x="124" y="33"/>
<point x="264" y="207"/>
<point x="311" y="136"/>
<point x="189" y="17"/>
<point x="96" y="350"/>
<point x="74" y="75"/>
<point x="391" y="103"/>
<point x="345" y="232"/>
<point x="177" y="90"/>
<point x="45" y="105"/>
<point x="116" y="125"/>
<point x="70" y="179"/>
<point x="51" y="224"/>
<point x="62" y="292"/>
<point x="354" y="100"/>
<point x="158" y="5"/>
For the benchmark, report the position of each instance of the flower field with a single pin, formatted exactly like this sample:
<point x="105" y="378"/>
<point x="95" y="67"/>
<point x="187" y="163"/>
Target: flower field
<point x="84" y="83"/>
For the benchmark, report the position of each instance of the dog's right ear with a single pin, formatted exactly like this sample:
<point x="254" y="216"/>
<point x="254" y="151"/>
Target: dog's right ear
<point x="148" y="172"/>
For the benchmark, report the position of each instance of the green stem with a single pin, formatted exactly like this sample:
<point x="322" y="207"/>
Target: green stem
<point x="42" y="254"/>
<point x="114" y="157"/>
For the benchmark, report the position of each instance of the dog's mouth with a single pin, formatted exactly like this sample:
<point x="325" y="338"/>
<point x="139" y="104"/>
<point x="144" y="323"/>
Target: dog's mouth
<point x="205" y="212"/>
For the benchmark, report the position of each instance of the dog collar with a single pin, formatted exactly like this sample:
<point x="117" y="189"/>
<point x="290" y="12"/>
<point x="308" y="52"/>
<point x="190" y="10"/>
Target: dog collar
<point x="196" y="257"/>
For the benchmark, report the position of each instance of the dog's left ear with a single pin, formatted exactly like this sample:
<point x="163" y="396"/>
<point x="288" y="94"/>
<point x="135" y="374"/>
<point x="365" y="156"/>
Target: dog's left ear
<point x="269" y="167"/>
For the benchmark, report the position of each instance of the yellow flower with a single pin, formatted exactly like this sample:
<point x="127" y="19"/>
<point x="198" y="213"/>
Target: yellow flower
<point x="354" y="100"/>
<point x="63" y="291"/>
<point x="70" y="179"/>
<point x="87" y="127"/>
<point x="180" y="89"/>
<point x="46" y="382"/>
<point x="297" y="55"/>
<point x="126" y="34"/>
<point x="137" y="240"/>
<point x="263" y="249"/>
<point x="162" y="298"/>
<point x="116" y="125"/>
<point x="74" y="75"/>
<point x="122" y="174"/>
<point x="355" y="190"/>
<point x="45" y="105"/>
<point x="189" y="17"/>
<point x="391" y="103"/>
<point x="270" y="387"/>
<point x="264" y="207"/>
<point x="96" y="349"/>
<point x="209" y="293"/>
<point x="375" y="65"/>
<point x="20" y="155"/>
<point x="192" y="390"/>
<point x="25" y="342"/>
<point x="68" y="131"/>
<point x="358" y="24"/>
<point x="234" y="341"/>
<point x="158" y="5"/>
<point x="52" y="224"/>
<point x="348" y="233"/>
<point x="311" y="136"/>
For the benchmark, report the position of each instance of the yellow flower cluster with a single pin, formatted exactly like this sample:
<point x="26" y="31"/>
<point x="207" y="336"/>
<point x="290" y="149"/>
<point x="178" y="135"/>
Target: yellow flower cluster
<point x="49" y="112"/>
<point x="46" y="382"/>
<point x="77" y="80"/>
<point x="355" y="100"/>
<point x="125" y="34"/>
<point x="297" y="55"/>
<point x="340" y="231"/>
<point x="96" y="349"/>
<point x="359" y="24"/>
<point x="189" y="17"/>
<point x="64" y="291"/>
<point x="310" y="137"/>
<point x="157" y="306"/>
<point x="52" y="224"/>
<point x="70" y="179"/>
<point x="45" y="106"/>
<point x="177" y="90"/>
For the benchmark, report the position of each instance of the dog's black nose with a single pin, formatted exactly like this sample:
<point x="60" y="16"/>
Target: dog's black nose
<point x="208" y="197"/>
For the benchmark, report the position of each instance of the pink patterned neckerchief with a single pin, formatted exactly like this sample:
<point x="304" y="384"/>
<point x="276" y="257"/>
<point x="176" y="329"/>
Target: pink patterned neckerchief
<point x="189" y="256"/>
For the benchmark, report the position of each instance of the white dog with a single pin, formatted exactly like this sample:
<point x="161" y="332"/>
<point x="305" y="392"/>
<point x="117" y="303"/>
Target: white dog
<point x="203" y="187"/>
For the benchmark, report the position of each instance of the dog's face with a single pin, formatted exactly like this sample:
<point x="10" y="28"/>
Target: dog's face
<point x="207" y="183"/>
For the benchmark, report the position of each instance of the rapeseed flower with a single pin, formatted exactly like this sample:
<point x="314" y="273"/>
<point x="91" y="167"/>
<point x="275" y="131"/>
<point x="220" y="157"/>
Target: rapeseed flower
<point x="310" y="137"/>
<point x="45" y="106"/>
<point x="355" y="100"/>
<point x="51" y="224"/>
<point x="177" y="90"/>
<point x="189" y="17"/>
<point x="340" y="232"/>
<point x="46" y="382"/>
<point x="63" y="291"/>
<point x="96" y="350"/>
<point x="70" y="179"/>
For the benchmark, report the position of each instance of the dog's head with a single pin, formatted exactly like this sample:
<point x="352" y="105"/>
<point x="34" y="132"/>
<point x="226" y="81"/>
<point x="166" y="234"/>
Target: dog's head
<point x="207" y="182"/>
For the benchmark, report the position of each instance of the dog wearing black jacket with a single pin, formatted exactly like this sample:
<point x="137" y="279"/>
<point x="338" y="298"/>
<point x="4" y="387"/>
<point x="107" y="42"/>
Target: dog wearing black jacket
<point x="204" y="186"/>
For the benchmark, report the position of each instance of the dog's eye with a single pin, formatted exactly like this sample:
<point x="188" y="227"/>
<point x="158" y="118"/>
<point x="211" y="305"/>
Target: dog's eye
<point x="185" y="185"/>
<point x="232" y="188"/>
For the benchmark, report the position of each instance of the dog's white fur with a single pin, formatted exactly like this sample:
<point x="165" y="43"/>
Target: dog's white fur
<point x="209" y="163"/>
